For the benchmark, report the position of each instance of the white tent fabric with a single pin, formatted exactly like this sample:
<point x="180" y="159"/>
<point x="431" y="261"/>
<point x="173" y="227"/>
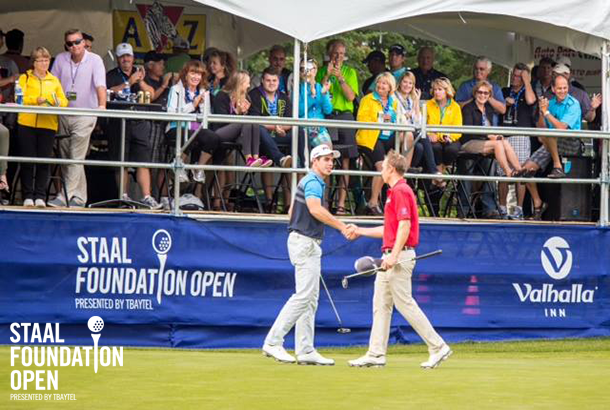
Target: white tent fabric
<point x="570" y="23"/>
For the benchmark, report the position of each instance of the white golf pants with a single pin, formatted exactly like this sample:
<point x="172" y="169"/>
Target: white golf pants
<point x="393" y="287"/>
<point x="305" y="254"/>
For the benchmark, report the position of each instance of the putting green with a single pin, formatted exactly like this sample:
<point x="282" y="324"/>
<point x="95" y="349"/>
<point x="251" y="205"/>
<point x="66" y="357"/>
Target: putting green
<point x="566" y="374"/>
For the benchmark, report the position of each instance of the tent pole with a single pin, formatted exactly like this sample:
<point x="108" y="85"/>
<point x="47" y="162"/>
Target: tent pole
<point x="295" y="113"/>
<point x="605" y="182"/>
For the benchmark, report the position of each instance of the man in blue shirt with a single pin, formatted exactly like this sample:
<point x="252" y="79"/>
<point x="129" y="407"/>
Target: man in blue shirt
<point x="307" y="215"/>
<point x="481" y="71"/>
<point x="561" y="112"/>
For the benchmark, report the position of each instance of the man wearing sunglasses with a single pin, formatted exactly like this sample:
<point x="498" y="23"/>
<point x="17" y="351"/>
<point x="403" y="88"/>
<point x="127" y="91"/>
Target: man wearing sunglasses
<point x="83" y="79"/>
<point x="481" y="72"/>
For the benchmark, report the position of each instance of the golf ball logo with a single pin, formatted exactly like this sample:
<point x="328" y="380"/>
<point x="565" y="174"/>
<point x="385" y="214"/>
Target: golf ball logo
<point x="161" y="242"/>
<point x="556" y="257"/>
<point x="95" y="324"/>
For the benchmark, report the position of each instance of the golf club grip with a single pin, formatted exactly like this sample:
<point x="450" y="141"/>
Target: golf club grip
<point x="428" y="255"/>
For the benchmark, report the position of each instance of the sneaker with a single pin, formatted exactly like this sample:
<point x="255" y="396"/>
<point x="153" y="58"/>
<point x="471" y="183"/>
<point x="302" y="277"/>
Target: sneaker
<point x="39" y="203"/>
<point x="435" y="359"/>
<point x="199" y="176"/>
<point x="57" y="202"/>
<point x="278" y="353"/>
<point x="165" y="203"/>
<point x="126" y="197"/>
<point x="265" y="162"/>
<point x="517" y="214"/>
<point x="28" y="202"/>
<point x="556" y="173"/>
<point x="286" y="161"/>
<point x="314" y="358"/>
<point x="503" y="212"/>
<point x="76" y="202"/>
<point x="538" y="212"/>
<point x="368" y="361"/>
<point x="183" y="176"/>
<point x="253" y="162"/>
<point x="151" y="202"/>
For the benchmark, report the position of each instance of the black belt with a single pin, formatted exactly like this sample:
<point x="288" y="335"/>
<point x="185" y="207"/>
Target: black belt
<point x="406" y="248"/>
<point x="335" y="112"/>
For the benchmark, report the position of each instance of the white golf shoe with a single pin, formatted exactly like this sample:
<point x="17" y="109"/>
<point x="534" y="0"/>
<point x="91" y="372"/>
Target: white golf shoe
<point x="314" y="358"/>
<point x="278" y="353"/>
<point x="368" y="361"/>
<point x="435" y="359"/>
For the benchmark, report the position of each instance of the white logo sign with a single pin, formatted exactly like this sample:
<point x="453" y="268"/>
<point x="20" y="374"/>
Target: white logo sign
<point x="556" y="257"/>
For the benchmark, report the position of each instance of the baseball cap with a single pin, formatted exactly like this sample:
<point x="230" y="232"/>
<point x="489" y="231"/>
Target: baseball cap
<point x="124" y="48"/>
<point x="398" y="49"/>
<point x="322" y="151"/>
<point x="375" y="55"/>
<point x="154" y="56"/>
<point x="564" y="60"/>
<point x="561" y="69"/>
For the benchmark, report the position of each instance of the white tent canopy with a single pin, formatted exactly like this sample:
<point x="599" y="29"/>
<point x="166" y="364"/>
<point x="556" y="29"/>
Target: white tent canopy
<point x="565" y="22"/>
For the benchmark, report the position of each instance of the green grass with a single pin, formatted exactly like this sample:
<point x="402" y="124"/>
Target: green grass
<point x="566" y="374"/>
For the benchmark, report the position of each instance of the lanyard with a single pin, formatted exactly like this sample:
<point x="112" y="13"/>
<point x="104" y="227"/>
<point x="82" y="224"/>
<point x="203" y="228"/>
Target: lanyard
<point x="444" y="110"/>
<point x="516" y="97"/>
<point x="188" y="98"/>
<point x="74" y="72"/>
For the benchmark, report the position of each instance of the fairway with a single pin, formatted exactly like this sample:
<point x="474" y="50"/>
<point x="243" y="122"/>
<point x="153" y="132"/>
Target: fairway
<point x="564" y="374"/>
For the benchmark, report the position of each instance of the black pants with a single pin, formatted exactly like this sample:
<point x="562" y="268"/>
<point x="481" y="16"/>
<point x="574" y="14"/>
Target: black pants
<point x="206" y="141"/>
<point x="35" y="142"/>
<point x="445" y="153"/>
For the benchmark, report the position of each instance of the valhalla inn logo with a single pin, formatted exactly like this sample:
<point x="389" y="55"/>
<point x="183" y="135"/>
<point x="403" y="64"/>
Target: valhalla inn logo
<point x="556" y="258"/>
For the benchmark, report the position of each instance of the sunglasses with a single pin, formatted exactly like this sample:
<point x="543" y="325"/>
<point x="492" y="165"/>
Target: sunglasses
<point x="74" y="43"/>
<point x="483" y="92"/>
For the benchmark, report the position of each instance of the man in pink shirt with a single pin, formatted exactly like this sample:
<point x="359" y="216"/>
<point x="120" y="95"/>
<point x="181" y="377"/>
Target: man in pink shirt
<point x="83" y="78"/>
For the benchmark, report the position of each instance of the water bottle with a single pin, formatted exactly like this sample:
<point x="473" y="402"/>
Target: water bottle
<point x="18" y="93"/>
<point x="126" y="91"/>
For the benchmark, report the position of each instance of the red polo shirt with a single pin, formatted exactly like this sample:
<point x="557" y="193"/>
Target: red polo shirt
<point x="400" y="205"/>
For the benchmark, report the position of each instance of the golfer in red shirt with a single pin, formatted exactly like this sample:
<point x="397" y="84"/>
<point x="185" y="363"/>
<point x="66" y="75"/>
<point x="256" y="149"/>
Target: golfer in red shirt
<point x="400" y="233"/>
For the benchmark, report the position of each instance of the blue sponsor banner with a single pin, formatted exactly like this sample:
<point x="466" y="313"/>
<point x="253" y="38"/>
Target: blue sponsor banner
<point x="177" y="282"/>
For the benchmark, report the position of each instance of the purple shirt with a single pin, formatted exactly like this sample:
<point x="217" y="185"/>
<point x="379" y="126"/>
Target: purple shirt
<point x="82" y="78"/>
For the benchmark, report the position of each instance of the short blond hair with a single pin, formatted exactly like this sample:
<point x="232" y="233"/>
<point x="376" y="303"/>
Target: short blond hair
<point x="39" y="52"/>
<point x="397" y="161"/>
<point x="482" y="84"/>
<point x="390" y="79"/>
<point x="445" y="84"/>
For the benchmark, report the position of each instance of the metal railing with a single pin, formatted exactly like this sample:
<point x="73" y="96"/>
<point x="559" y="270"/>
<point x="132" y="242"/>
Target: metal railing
<point x="206" y="118"/>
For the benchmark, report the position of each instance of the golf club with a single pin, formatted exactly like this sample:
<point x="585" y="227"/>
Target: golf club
<point x="345" y="280"/>
<point x="341" y="329"/>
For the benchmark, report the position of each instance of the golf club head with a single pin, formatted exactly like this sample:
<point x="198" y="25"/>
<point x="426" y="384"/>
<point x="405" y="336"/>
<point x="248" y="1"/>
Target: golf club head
<point x="367" y="264"/>
<point x="344" y="330"/>
<point x="344" y="283"/>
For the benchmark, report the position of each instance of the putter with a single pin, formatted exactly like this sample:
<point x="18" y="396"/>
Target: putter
<point x="341" y="329"/>
<point x="345" y="280"/>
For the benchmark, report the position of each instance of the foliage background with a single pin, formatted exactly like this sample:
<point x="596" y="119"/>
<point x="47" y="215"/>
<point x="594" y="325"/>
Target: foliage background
<point x="457" y="65"/>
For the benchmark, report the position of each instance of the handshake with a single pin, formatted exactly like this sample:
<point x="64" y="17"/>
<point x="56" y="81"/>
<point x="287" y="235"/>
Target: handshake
<point x="351" y="232"/>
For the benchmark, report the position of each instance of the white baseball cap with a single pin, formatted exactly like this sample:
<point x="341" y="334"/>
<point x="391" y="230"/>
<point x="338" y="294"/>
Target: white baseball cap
<point x="564" y="60"/>
<point x="124" y="48"/>
<point x="323" y="150"/>
<point x="561" y="69"/>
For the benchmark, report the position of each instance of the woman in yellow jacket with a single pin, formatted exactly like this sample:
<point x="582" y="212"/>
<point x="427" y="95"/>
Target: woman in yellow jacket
<point x="36" y="131"/>
<point x="378" y="106"/>
<point x="443" y="110"/>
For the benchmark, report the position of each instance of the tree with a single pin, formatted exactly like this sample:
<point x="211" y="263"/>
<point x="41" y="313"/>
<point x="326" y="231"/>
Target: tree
<point x="455" y="63"/>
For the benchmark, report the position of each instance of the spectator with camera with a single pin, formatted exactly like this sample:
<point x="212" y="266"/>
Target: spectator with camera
<point x="125" y="80"/>
<point x="37" y="131"/>
<point x="82" y="76"/>
<point x="343" y="90"/>
<point x="520" y="112"/>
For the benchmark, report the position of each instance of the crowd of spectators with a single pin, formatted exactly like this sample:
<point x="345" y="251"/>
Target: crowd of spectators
<point x="393" y="94"/>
